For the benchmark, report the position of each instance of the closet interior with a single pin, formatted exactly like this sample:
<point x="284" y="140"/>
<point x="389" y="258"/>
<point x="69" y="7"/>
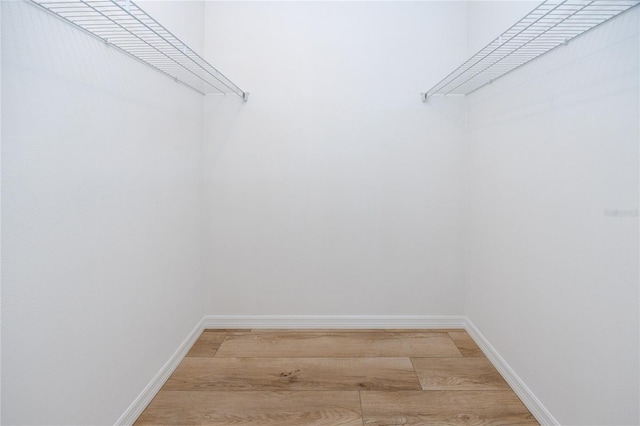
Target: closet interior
<point x="146" y="197"/>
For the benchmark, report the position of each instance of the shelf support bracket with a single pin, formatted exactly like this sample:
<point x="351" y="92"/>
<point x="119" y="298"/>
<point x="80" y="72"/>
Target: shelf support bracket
<point x="551" y="24"/>
<point x="124" y="25"/>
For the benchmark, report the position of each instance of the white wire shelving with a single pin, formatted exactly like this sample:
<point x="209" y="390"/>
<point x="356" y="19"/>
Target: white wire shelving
<point x="553" y="23"/>
<point x="124" y="25"/>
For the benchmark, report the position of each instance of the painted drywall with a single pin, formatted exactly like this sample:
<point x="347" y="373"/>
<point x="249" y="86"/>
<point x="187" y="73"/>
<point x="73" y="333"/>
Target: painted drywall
<point x="483" y="26"/>
<point x="334" y="190"/>
<point x="0" y="217"/>
<point x="183" y="18"/>
<point x="101" y="266"/>
<point x="553" y="223"/>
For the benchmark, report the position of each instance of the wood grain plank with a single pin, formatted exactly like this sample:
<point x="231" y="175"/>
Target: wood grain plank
<point x="347" y="330"/>
<point x="465" y="343"/>
<point x="294" y="374"/>
<point x="207" y="344"/>
<point x="458" y="374"/>
<point x="420" y="330"/>
<point x="316" y="330"/>
<point x="444" y="408"/>
<point x="337" y="344"/>
<point x="253" y="408"/>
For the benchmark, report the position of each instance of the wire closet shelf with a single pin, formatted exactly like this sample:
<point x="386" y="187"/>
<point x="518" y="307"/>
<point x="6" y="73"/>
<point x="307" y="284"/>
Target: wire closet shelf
<point x="123" y="24"/>
<point x="553" y="23"/>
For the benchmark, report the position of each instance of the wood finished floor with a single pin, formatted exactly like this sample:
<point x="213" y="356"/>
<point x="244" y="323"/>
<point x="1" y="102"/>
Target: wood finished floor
<point x="335" y="378"/>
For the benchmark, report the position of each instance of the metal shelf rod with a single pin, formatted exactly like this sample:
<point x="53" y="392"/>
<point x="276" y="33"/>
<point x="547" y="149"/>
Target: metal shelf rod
<point x="553" y="23"/>
<point x="124" y="25"/>
<point x="517" y="49"/>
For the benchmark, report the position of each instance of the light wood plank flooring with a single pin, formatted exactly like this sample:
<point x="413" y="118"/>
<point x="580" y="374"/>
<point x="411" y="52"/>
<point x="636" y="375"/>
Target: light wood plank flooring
<point x="331" y="377"/>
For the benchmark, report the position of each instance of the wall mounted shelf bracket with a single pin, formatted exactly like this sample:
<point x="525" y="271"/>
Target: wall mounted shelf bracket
<point x="553" y="23"/>
<point x="124" y="25"/>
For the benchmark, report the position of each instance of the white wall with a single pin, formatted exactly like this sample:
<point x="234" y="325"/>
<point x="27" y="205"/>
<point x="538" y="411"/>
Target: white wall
<point x="334" y="190"/>
<point x="183" y="18"/>
<point x="553" y="280"/>
<point x="484" y="24"/>
<point x="0" y="217"/>
<point x="101" y="267"/>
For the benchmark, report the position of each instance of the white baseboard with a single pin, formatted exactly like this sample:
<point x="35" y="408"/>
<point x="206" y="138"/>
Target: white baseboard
<point x="335" y="321"/>
<point x="534" y="405"/>
<point x="539" y="411"/>
<point x="140" y="403"/>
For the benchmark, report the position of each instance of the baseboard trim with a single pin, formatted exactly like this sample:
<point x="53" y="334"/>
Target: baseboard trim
<point x="539" y="411"/>
<point x="140" y="403"/>
<point x="335" y="321"/>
